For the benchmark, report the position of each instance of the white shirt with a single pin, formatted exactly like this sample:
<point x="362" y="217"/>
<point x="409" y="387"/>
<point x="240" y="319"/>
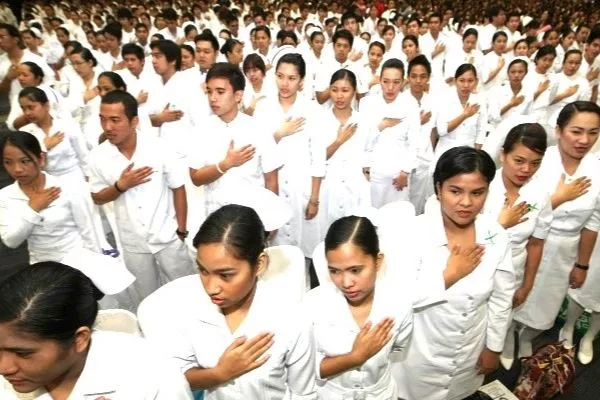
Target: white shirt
<point x="145" y="213"/>
<point x="501" y="96"/>
<point x="121" y="366"/>
<point x="427" y="45"/>
<point x="58" y="106"/>
<point x="490" y="63"/>
<point x="539" y="106"/>
<point x="211" y="148"/>
<point x="15" y="86"/>
<point x="179" y="34"/>
<point x="335" y="330"/>
<point x="563" y="82"/>
<point x="291" y="365"/>
<point x="449" y="336"/>
<point x="268" y="89"/>
<point x="458" y="56"/>
<point x="326" y="71"/>
<point x="486" y="34"/>
<point x="51" y="233"/>
<point x="424" y="148"/>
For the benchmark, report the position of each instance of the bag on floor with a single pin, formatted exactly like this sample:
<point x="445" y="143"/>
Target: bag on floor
<point x="548" y="372"/>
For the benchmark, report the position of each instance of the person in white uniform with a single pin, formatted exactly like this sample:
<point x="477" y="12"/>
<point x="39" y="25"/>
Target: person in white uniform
<point x="572" y="174"/>
<point x="467" y="53"/>
<point x="462" y="121"/>
<point x="145" y="179"/>
<point x="357" y="320"/>
<point x="457" y="341"/>
<point x="345" y="186"/>
<point x="433" y="45"/>
<point x="228" y="346"/>
<point x="294" y="121"/>
<point x="50" y="349"/>
<point x="522" y="206"/>
<point x="393" y="121"/>
<point x="234" y="155"/>
<point x="542" y="83"/>
<point x="82" y="83"/>
<point x="494" y="63"/>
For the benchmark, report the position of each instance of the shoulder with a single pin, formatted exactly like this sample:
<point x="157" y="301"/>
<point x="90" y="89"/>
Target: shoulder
<point x="102" y="151"/>
<point x="9" y="191"/>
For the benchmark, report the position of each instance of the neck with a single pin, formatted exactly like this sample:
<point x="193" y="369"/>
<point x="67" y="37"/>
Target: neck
<point x="243" y="306"/>
<point x="36" y="185"/>
<point x="257" y="86"/>
<point x="516" y="87"/>
<point x="539" y="71"/>
<point x="127" y="147"/>
<point x="46" y="122"/>
<point x="434" y="34"/>
<point x="287" y="102"/>
<point x="64" y="385"/>
<point x="463" y="99"/>
<point x="342" y="113"/>
<point x="168" y="75"/>
<point x="452" y="228"/>
<point x="417" y="94"/>
<point x="115" y="52"/>
<point x="510" y="187"/>
<point x="15" y="52"/>
<point x="569" y="163"/>
<point x="229" y="116"/>
<point x="341" y="61"/>
<point x="367" y="302"/>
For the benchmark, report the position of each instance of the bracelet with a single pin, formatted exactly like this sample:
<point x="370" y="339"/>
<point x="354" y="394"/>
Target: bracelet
<point x="183" y="235"/>
<point x="313" y="202"/>
<point x="117" y="188"/>
<point x="582" y="267"/>
<point x="219" y="168"/>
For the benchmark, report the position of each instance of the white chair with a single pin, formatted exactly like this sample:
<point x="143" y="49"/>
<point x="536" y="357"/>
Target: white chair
<point x="286" y="270"/>
<point x="432" y="204"/>
<point x="320" y="263"/>
<point x="117" y="321"/>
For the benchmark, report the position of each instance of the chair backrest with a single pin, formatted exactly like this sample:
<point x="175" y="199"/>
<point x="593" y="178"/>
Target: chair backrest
<point x="117" y="320"/>
<point x="286" y="270"/>
<point x="432" y="204"/>
<point x="320" y="263"/>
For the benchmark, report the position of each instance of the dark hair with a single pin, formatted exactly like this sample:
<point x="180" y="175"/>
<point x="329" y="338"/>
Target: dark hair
<point x="227" y="71"/>
<point x="358" y="231"/>
<point x="34" y="94"/>
<point x="189" y="48"/>
<point x="594" y="34"/>
<point x="498" y="34"/>
<point x="314" y="35"/>
<point x="254" y="61"/>
<point x="115" y="79"/>
<point x="518" y="61"/>
<point x="264" y="29"/>
<point x="570" y="110"/>
<point x="134" y="49"/>
<point x="124" y="13"/>
<point x="169" y="14"/>
<point x="282" y="35"/>
<point x="64" y="30"/>
<point x="159" y="36"/>
<point x="85" y="54"/>
<point x="170" y="50"/>
<point x="412" y="38"/>
<point x="130" y="104"/>
<point x="114" y="29"/>
<point x="141" y="25"/>
<point x="533" y="136"/>
<point x="463" y="69"/>
<point x="494" y="11"/>
<point x="238" y="228"/>
<point x="548" y="32"/>
<point x="49" y="300"/>
<point x="463" y="160"/>
<point x="13" y="31"/>
<point x="24" y="141"/>
<point x="295" y="60"/>
<point x="572" y="51"/>
<point x="386" y="29"/>
<point x="416" y="19"/>
<point x="343" y="74"/>
<point x="343" y="34"/>
<point x="518" y="42"/>
<point x="377" y="44"/>
<point x="35" y="70"/>
<point x="470" y="32"/>
<point x="533" y="24"/>
<point x="435" y="15"/>
<point x="420" y="60"/>
<point x="393" y="63"/>
<point x="229" y="45"/>
<point x="544" y="51"/>
<point x="347" y="16"/>
<point x="207" y="36"/>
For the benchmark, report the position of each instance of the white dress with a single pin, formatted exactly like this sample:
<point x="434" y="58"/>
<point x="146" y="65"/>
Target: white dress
<point x="560" y="251"/>
<point x="539" y="106"/>
<point x="563" y="82"/>
<point x="490" y="63"/>
<point x="303" y="154"/>
<point x="345" y="187"/>
<point x="335" y="330"/>
<point x="448" y="337"/>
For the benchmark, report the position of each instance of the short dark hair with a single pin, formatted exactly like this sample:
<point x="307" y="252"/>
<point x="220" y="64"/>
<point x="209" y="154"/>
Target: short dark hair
<point x="169" y="14"/>
<point x="254" y="61"/>
<point x="170" y="50"/>
<point x="130" y="104"/>
<point x="115" y="79"/>
<point x="263" y="28"/>
<point x="295" y="60"/>
<point x="132" y="48"/>
<point x="207" y="36"/>
<point x="463" y="69"/>
<point x="124" y="13"/>
<point x="533" y="136"/>
<point x="349" y="15"/>
<point x="358" y="231"/>
<point x="463" y="160"/>
<point x="420" y="60"/>
<point x="230" y="72"/>
<point x="343" y="34"/>
<point x="282" y="35"/>
<point x="393" y="63"/>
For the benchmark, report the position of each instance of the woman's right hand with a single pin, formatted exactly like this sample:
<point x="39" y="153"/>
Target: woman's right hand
<point x="371" y="339"/>
<point x="463" y="261"/>
<point x="52" y="141"/>
<point x="243" y="356"/>
<point x="570" y="191"/>
<point x="41" y="200"/>
<point x="513" y="214"/>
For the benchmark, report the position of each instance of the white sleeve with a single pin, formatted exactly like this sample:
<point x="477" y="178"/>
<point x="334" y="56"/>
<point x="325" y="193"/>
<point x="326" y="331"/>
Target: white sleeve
<point x="269" y="157"/>
<point x="175" y="169"/>
<point x="17" y="221"/>
<point x="500" y="302"/>
<point x="300" y="364"/>
<point x="404" y="331"/>
<point x="544" y="220"/>
<point x="79" y="145"/>
<point x="593" y="223"/>
<point x="494" y="106"/>
<point x="96" y="179"/>
<point x="482" y="120"/>
<point x="81" y="208"/>
<point x="444" y="117"/>
<point x="414" y="128"/>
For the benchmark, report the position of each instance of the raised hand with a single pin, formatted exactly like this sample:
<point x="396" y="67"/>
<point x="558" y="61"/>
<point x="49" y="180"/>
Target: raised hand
<point x="570" y="191"/>
<point x="168" y="115"/>
<point x="371" y="339"/>
<point x="464" y="261"/>
<point x="41" y="200"/>
<point x="133" y="177"/>
<point x="243" y="355"/>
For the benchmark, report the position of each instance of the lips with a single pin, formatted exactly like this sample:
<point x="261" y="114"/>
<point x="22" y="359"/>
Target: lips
<point x="351" y="295"/>
<point x="217" y="300"/>
<point x="464" y="214"/>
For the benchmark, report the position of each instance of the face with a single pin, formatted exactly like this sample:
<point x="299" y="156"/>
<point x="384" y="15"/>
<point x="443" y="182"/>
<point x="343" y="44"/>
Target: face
<point x="342" y="94"/>
<point x="543" y="64"/>
<point x="160" y="63"/>
<point x="435" y="25"/>
<point x="187" y="59"/>
<point x="593" y="49"/>
<point x="105" y="86"/>
<point x="30" y="41"/>
<point x="254" y="75"/>
<point x="583" y="34"/>
<point x="380" y="26"/>
<point x="32" y="110"/>
<point x="290" y="25"/>
<point x="375" y="56"/>
<point x="389" y="36"/>
<point x="571" y="64"/>
<point x="222" y="98"/>
<point x="516" y="73"/>
<point x="579" y="135"/>
<point x="115" y="123"/>
<point x="227" y="280"/>
<point x="234" y="27"/>
<point x="82" y="67"/>
<point x="391" y="83"/>
<point x="469" y="43"/>
<point x="171" y="24"/>
<point x="552" y="39"/>
<point x="159" y="23"/>
<point x="568" y="40"/>
<point x="351" y="25"/>
<point x="341" y="49"/>
<point x="262" y="41"/>
<point x="205" y="54"/>
<point x="410" y="49"/>
<point x="26" y="77"/>
<point x="101" y="43"/>
<point x="513" y="23"/>
<point x="424" y="28"/>
<point x="462" y="197"/>
<point x="288" y="80"/>
<point x="144" y="19"/>
<point x="413" y="28"/>
<point x="418" y="79"/>
<point x="522" y="49"/>
<point x="466" y="83"/>
<point x="61" y="36"/>
<point x="259" y="21"/>
<point x="299" y="23"/>
<point x="125" y="23"/>
<point x="21" y="166"/>
<point x="237" y="55"/>
<point x="499" y="44"/>
<point x="500" y="19"/>
<point x="520" y="164"/>
<point x="91" y="38"/>
<point x="29" y="362"/>
<point x="353" y="272"/>
<point x="112" y="43"/>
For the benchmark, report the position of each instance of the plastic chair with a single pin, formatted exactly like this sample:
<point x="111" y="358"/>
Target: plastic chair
<point x="117" y="320"/>
<point x="286" y="270"/>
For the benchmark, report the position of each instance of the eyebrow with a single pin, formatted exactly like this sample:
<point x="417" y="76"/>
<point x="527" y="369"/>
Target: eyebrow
<point x="218" y="270"/>
<point x="19" y="349"/>
<point x="343" y="269"/>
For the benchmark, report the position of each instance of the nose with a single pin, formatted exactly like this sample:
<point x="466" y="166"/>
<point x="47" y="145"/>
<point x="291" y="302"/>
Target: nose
<point x="347" y="281"/>
<point x="212" y="287"/>
<point x="466" y="200"/>
<point x="7" y="365"/>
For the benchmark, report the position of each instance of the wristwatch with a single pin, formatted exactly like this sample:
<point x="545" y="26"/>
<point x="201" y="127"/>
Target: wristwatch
<point x="182" y="235"/>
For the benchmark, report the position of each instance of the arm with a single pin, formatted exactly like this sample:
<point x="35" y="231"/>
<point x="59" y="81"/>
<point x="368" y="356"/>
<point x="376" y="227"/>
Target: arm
<point x="455" y="123"/>
<point x="331" y="366"/>
<point x="205" y="378"/>
<point x="181" y="207"/>
<point x="272" y="181"/>
<point x="78" y="142"/>
<point x="206" y="175"/>
<point x="16" y="224"/>
<point x="535" y="247"/>
<point x="323" y="96"/>
<point x="106" y="195"/>
<point x="587" y="240"/>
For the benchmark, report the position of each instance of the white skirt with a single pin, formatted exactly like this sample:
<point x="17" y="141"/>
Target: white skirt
<point x="588" y="296"/>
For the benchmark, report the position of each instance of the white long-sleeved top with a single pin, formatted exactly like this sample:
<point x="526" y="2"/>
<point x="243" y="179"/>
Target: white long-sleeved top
<point x="539" y="106"/>
<point x="335" y="330"/>
<point x="427" y="45"/>
<point x="563" y="82"/>
<point x="291" y="365"/>
<point x="501" y="96"/>
<point x="51" y="233"/>
<point x="15" y="86"/>
<point x="490" y="63"/>
<point x="58" y="106"/>
<point x="449" y="336"/>
<point x="120" y="366"/>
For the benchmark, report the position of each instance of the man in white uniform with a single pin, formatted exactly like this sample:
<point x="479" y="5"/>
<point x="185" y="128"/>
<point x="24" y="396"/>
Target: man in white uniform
<point x="145" y="180"/>
<point x="433" y="44"/>
<point x="207" y="50"/>
<point x="497" y="17"/>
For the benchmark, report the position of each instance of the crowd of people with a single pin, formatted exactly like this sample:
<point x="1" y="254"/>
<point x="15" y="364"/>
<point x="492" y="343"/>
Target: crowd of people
<point x="253" y="125"/>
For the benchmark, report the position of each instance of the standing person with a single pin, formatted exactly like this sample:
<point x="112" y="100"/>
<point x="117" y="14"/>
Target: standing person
<point x="457" y="341"/>
<point x="257" y="87"/>
<point x="392" y="120"/>
<point x="207" y="50"/>
<point x="542" y="82"/>
<point x="522" y="206"/>
<point x="145" y="180"/>
<point x="294" y="122"/>
<point x="234" y="154"/>
<point x="572" y="174"/>
<point x="467" y="54"/>
<point x="50" y="348"/>
<point x="433" y="45"/>
<point x="230" y="347"/>
<point x="494" y="62"/>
